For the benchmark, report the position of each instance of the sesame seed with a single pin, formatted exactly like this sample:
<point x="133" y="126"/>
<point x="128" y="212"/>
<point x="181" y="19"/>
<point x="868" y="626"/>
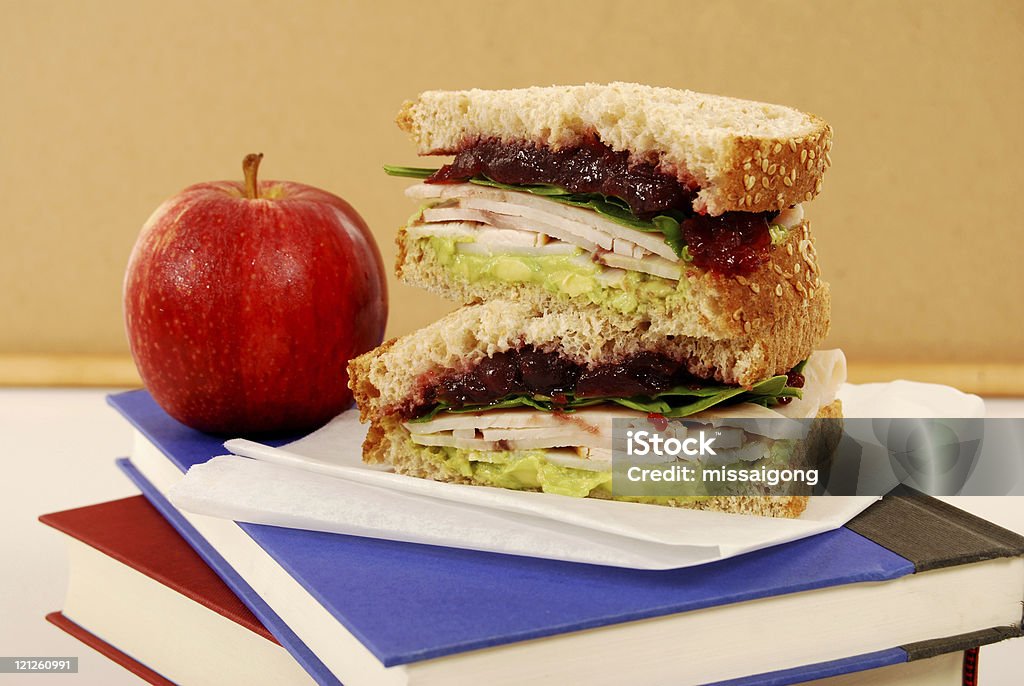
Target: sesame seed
<point x="787" y="181"/>
<point x="754" y="287"/>
<point x="808" y="196"/>
<point x="747" y="160"/>
<point x="789" y="248"/>
<point x="803" y="156"/>
<point x="800" y="287"/>
<point x="796" y="267"/>
<point x="828" y="159"/>
<point x="810" y="164"/>
<point x="748" y="199"/>
<point x="764" y="164"/>
<point x="777" y="268"/>
<point x="748" y="182"/>
<point x="782" y="170"/>
<point x="757" y="197"/>
<point x="746" y="167"/>
<point x="792" y="146"/>
<point x="817" y="186"/>
<point x="777" y="148"/>
<point x="810" y="292"/>
<point x="811" y="153"/>
<point x="736" y="315"/>
<point x="778" y="290"/>
<point x="804" y="246"/>
<point x="764" y="181"/>
<point x="792" y="173"/>
<point x="746" y="327"/>
<point x="779" y="197"/>
<point x="741" y="280"/>
<point x="772" y="168"/>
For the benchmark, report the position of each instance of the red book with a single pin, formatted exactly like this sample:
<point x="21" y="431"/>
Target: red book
<point x="141" y="596"/>
<point x="105" y="649"/>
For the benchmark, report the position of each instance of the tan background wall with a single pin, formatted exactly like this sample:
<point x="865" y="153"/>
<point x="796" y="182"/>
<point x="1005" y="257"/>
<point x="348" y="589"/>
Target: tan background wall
<point x="109" y="107"/>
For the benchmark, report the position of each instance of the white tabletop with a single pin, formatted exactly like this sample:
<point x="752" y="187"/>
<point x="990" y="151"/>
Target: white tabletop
<point x="59" y="445"/>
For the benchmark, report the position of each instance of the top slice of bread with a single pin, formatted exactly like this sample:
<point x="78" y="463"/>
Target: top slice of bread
<point x="744" y="155"/>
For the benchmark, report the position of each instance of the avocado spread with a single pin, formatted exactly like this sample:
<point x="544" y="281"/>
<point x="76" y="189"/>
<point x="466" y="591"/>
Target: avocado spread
<point x="531" y="470"/>
<point x="560" y="274"/>
<point x="518" y="470"/>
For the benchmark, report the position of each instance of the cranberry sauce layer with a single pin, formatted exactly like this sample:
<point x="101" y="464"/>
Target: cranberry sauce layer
<point x="592" y="167"/>
<point x="531" y="371"/>
<point x="730" y="244"/>
<point x="735" y="243"/>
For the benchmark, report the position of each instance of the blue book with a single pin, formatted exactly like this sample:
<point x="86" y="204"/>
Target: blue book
<point x="909" y="578"/>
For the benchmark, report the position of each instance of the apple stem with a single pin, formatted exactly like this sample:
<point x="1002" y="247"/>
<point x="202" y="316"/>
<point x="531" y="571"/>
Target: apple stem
<point x="250" y="165"/>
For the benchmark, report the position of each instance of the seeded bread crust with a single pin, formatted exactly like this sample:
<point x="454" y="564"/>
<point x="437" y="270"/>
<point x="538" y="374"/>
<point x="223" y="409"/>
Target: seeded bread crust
<point x="782" y="304"/>
<point x="393" y="378"/>
<point x="744" y="155"/>
<point x="387" y="442"/>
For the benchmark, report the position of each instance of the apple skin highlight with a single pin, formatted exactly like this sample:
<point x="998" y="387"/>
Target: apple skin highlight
<point x="242" y="312"/>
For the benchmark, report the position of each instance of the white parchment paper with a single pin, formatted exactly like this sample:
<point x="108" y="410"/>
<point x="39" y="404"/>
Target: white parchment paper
<point x="319" y="483"/>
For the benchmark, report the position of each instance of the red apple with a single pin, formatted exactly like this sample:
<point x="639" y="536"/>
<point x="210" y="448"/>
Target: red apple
<point x="244" y="303"/>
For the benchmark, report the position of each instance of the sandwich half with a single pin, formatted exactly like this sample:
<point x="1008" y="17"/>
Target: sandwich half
<point x="669" y="212"/>
<point x="505" y="394"/>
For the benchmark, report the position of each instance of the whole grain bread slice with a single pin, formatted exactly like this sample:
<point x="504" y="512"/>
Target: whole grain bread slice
<point x="743" y="155"/>
<point x="395" y="377"/>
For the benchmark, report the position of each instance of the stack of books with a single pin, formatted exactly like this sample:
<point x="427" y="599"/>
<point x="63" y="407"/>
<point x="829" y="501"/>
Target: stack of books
<point x="903" y="594"/>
